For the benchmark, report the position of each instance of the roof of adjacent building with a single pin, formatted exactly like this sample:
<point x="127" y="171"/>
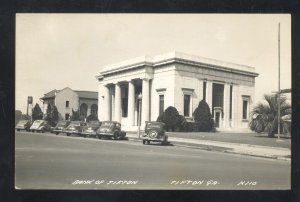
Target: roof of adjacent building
<point x="171" y="57"/>
<point x="81" y="94"/>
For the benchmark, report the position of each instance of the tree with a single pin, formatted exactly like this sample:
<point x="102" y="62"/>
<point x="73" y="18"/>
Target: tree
<point x="203" y="117"/>
<point x="170" y="117"/>
<point x="92" y="117"/>
<point x="75" y="115"/>
<point x="37" y="113"/>
<point x="52" y="115"/>
<point x="264" y="116"/>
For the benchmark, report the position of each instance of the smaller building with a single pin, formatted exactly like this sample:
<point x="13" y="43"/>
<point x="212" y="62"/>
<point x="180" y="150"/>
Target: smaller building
<point x="67" y="100"/>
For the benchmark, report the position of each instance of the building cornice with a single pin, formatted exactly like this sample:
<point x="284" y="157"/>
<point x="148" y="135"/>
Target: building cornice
<point x="179" y="58"/>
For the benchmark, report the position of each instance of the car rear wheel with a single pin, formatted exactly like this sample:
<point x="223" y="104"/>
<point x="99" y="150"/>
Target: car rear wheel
<point x="144" y="141"/>
<point x="18" y="129"/>
<point x="56" y="133"/>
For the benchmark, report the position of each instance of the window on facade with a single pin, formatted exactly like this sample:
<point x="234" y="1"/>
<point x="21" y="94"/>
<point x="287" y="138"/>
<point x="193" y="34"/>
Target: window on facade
<point x="67" y="103"/>
<point x="204" y="90"/>
<point x="245" y="109"/>
<point x="187" y="100"/>
<point x="161" y="104"/>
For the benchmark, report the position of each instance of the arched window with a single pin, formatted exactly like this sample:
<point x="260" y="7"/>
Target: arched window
<point x="83" y="110"/>
<point x="94" y="109"/>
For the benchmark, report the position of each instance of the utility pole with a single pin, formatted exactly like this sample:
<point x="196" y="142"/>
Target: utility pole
<point x="278" y="96"/>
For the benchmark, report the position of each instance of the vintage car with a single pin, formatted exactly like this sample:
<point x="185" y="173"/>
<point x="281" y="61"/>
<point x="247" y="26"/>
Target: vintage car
<point x="60" y="126"/>
<point x="40" y="126"/>
<point x="75" y="127"/>
<point x="91" y="128"/>
<point x="23" y="125"/>
<point x="110" y="129"/>
<point x="155" y="132"/>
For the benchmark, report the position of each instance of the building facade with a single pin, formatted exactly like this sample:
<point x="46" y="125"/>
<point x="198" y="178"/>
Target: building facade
<point x="67" y="100"/>
<point x="179" y="80"/>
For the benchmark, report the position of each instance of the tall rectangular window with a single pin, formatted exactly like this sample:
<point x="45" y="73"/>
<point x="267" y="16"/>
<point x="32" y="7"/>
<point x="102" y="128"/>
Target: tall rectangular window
<point x="204" y="91"/>
<point x="67" y="103"/>
<point x="230" y="103"/>
<point x="161" y="104"/>
<point x="187" y="99"/>
<point x="245" y="109"/>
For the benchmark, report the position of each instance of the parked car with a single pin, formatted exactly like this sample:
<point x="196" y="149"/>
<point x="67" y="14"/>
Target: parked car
<point x="110" y="129"/>
<point x="60" y="126"/>
<point x="23" y="125"/>
<point x="155" y="132"/>
<point x="40" y="126"/>
<point x="75" y="127"/>
<point x="91" y="128"/>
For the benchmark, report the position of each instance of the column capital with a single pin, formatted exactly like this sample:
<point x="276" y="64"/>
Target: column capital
<point x="145" y="79"/>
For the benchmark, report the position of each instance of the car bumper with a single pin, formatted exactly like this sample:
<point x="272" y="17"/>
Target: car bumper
<point x="57" y="131"/>
<point x="71" y="132"/>
<point x="105" y="134"/>
<point x="160" y="139"/>
<point x="89" y="133"/>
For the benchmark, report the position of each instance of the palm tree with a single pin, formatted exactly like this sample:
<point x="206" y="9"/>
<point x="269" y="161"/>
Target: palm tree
<point x="264" y="116"/>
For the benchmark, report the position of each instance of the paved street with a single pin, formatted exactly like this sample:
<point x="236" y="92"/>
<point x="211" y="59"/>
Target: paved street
<point x="47" y="161"/>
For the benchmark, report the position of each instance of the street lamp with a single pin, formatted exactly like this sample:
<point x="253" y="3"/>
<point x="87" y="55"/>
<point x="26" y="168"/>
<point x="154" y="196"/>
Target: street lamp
<point x="139" y="117"/>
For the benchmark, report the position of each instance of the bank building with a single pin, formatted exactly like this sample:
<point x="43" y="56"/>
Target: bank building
<point x="179" y="80"/>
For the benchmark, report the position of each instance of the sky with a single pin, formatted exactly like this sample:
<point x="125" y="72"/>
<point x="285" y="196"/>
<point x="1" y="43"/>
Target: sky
<point x="54" y="51"/>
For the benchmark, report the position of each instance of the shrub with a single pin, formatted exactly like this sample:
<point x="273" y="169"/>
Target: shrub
<point x="92" y="117"/>
<point x="203" y="117"/>
<point x="75" y="115"/>
<point x="37" y="113"/>
<point x="170" y="118"/>
<point x="52" y="115"/>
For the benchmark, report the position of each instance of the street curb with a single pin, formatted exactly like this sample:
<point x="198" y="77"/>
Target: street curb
<point x="221" y="149"/>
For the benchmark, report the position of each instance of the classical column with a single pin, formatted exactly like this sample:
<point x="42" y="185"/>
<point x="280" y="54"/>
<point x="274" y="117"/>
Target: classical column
<point x="118" y="102"/>
<point x="226" y="103"/>
<point x="209" y="94"/>
<point x="105" y="105"/>
<point x="235" y="106"/>
<point x="145" y="101"/>
<point x="112" y="103"/>
<point x="131" y="97"/>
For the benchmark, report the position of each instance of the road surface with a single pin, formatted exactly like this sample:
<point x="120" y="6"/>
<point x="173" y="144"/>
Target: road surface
<point x="49" y="161"/>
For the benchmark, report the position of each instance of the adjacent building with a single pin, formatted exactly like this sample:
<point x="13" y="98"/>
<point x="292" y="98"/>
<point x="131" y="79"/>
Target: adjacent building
<point x="67" y="100"/>
<point x="179" y="80"/>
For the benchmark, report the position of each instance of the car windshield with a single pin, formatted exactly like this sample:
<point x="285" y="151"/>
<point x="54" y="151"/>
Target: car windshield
<point x="37" y="122"/>
<point x="155" y="125"/>
<point x="61" y="123"/>
<point x="22" y="122"/>
<point x="94" y="123"/>
<point x="108" y="124"/>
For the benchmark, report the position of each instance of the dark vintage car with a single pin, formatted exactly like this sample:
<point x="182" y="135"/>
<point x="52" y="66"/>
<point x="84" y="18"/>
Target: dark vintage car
<point x="60" y="126"/>
<point x="23" y="125"/>
<point x="110" y="129"/>
<point x="40" y="126"/>
<point x="91" y="128"/>
<point x="75" y="127"/>
<point x="155" y="132"/>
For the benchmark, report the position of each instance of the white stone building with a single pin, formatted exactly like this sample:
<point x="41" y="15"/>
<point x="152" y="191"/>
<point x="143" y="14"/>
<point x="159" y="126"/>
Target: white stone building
<point x="179" y="80"/>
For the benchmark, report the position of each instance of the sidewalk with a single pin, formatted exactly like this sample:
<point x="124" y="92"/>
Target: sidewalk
<point x="235" y="147"/>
